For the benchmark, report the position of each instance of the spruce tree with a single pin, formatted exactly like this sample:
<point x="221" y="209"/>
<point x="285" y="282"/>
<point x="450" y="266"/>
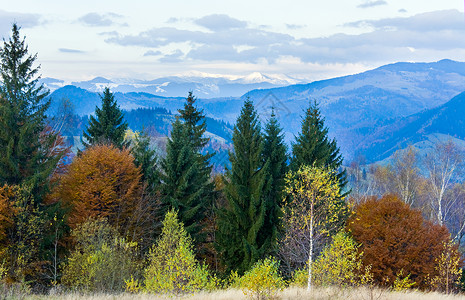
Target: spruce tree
<point x="29" y="154"/>
<point x="241" y="237"/>
<point x="195" y="124"/>
<point x="192" y="167"/>
<point x="146" y="158"/>
<point x="194" y="120"/>
<point x="275" y="153"/>
<point x="108" y="125"/>
<point x="313" y="147"/>
<point x="25" y="147"/>
<point x="184" y="181"/>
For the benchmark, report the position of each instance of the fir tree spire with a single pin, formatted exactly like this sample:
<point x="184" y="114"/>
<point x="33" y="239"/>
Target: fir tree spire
<point x="184" y="183"/>
<point x="24" y="144"/>
<point x="275" y="153"/>
<point x="242" y="221"/>
<point x="194" y="120"/>
<point x="313" y="148"/>
<point x="108" y="125"/>
<point x="146" y="158"/>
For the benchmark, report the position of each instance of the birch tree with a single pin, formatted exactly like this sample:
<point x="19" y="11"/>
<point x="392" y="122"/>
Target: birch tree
<point x="443" y="166"/>
<point x="314" y="211"/>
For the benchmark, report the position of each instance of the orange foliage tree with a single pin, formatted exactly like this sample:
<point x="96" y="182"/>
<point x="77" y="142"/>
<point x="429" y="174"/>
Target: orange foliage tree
<point x="6" y="214"/>
<point x="397" y="239"/>
<point x="104" y="182"/>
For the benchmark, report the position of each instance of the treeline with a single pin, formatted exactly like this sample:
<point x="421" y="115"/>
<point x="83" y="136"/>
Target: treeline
<point x="120" y="218"/>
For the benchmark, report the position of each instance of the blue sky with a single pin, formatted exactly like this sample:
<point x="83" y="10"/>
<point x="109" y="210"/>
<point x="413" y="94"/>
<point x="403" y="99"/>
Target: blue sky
<point x="311" y="40"/>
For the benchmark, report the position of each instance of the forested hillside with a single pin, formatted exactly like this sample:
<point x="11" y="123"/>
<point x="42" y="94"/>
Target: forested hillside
<point x="144" y="195"/>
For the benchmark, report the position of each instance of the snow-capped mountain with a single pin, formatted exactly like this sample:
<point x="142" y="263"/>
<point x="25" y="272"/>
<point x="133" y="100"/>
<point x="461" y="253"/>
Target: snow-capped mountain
<point x="202" y="84"/>
<point x="372" y="113"/>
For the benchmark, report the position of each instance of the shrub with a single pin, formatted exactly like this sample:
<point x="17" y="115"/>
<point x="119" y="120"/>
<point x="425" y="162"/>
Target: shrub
<point x="340" y="263"/>
<point x="172" y="265"/>
<point x="262" y="281"/>
<point x="102" y="260"/>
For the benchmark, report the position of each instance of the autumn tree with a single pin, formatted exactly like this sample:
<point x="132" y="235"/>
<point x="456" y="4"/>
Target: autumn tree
<point x="108" y="125"/>
<point x="24" y="226"/>
<point x="103" y="182"/>
<point x="448" y="267"/>
<point x="102" y="260"/>
<point x="313" y="212"/>
<point x="397" y="239"/>
<point x="339" y="264"/>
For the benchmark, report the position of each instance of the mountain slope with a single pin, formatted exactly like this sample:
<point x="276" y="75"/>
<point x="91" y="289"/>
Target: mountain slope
<point x="444" y="121"/>
<point x="362" y="111"/>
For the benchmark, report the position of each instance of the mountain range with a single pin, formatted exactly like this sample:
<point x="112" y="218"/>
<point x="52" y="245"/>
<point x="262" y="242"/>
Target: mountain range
<point x="202" y="84"/>
<point x="372" y="113"/>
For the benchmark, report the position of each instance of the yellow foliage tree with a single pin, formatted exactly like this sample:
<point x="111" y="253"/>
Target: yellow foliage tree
<point x="102" y="260"/>
<point x="314" y="209"/>
<point x="340" y="263"/>
<point x="172" y="265"/>
<point x="262" y="281"/>
<point x="448" y="267"/>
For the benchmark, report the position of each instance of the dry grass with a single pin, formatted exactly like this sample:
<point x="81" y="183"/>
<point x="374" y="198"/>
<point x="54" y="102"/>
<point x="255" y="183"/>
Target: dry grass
<point x="289" y="293"/>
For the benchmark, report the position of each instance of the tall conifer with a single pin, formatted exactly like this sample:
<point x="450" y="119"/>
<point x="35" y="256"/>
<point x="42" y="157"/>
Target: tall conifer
<point x="313" y="147"/>
<point x="146" y="158"/>
<point x="108" y="125"/>
<point x="185" y="157"/>
<point x="29" y="154"/>
<point x="240" y="237"/>
<point x="24" y="145"/>
<point x="183" y="181"/>
<point x="194" y="121"/>
<point x="275" y="153"/>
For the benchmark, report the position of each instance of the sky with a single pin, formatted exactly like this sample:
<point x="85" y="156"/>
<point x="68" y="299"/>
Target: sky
<point x="304" y="39"/>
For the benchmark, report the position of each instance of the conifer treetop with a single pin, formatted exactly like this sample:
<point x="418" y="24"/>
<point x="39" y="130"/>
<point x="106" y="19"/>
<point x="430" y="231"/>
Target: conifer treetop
<point x="108" y="125"/>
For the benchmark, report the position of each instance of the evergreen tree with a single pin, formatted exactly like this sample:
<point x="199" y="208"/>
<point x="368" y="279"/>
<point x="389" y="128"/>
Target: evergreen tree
<point x="146" y="158"/>
<point x="313" y="147"/>
<point x="108" y="125"/>
<point x="241" y="236"/>
<point x="275" y="153"/>
<point x="29" y="154"/>
<point x="194" y="120"/>
<point x="195" y="124"/>
<point x="24" y="145"/>
<point x="184" y="182"/>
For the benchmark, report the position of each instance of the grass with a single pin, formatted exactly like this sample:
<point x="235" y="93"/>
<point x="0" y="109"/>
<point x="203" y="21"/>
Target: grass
<point x="289" y="293"/>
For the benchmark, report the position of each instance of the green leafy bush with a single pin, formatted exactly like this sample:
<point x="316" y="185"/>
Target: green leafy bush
<point x="172" y="265"/>
<point x="339" y="264"/>
<point x="102" y="260"/>
<point x="262" y="281"/>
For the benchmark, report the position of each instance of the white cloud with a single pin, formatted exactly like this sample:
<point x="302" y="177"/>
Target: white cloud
<point x="220" y="22"/>
<point x="24" y="20"/>
<point x="389" y="40"/>
<point x="101" y="20"/>
<point x="368" y="4"/>
<point x="67" y="50"/>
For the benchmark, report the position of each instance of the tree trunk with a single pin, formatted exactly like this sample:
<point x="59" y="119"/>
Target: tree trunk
<point x="310" y="252"/>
